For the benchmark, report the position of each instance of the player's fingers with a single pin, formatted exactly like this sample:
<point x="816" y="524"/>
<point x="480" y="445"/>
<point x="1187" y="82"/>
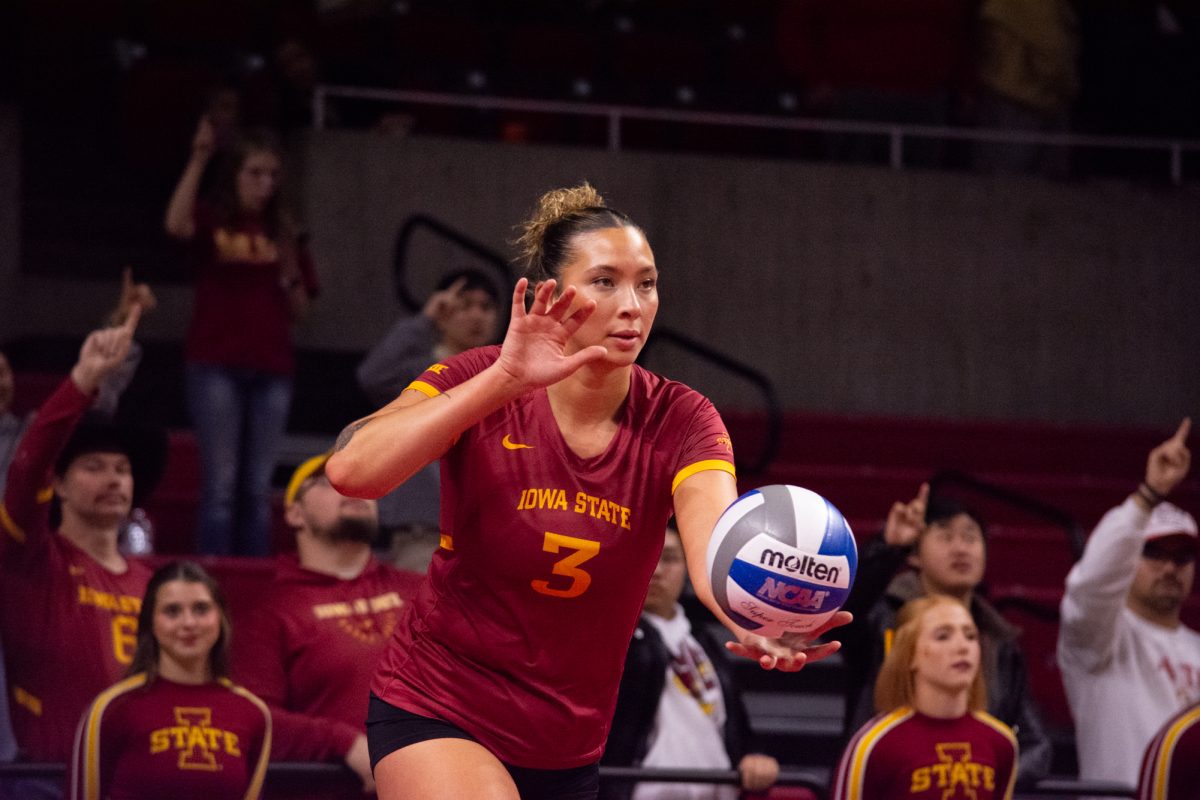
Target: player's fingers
<point x="126" y="279"/>
<point x="541" y="296"/>
<point x="558" y="310"/>
<point x="579" y="317"/>
<point x="822" y="651"/>
<point x="585" y="356"/>
<point x="1185" y="428"/>
<point x="923" y="495"/>
<point x="836" y="621"/>
<point x="457" y="287"/>
<point x="518" y="301"/>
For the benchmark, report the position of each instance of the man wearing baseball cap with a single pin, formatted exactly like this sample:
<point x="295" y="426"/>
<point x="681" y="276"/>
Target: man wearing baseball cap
<point x="69" y="598"/>
<point x="309" y="651"/>
<point x="1128" y="663"/>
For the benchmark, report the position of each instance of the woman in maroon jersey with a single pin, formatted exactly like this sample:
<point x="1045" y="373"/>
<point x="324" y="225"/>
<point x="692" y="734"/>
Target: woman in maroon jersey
<point x="562" y="461"/>
<point x="932" y="738"/>
<point x="254" y="277"/>
<point x="176" y="727"/>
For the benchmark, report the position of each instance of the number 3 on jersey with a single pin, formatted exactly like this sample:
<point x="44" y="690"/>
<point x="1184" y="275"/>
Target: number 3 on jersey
<point x="568" y="567"/>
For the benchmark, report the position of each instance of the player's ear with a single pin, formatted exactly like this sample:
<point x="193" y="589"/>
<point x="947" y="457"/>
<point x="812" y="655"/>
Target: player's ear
<point x="292" y="515"/>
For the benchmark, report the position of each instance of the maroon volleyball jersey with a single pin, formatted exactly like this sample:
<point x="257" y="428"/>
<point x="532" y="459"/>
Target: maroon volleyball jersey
<point x="1171" y="765"/>
<point x="905" y="754"/>
<point x="519" y="634"/>
<point x="310" y="649"/>
<point x="69" y="625"/>
<point x="143" y="740"/>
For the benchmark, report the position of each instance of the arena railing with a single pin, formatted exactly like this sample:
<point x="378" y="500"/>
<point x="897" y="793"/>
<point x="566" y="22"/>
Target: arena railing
<point x="409" y="299"/>
<point x="1032" y="506"/>
<point x="307" y="778"/>
<point x="897" y="135"/>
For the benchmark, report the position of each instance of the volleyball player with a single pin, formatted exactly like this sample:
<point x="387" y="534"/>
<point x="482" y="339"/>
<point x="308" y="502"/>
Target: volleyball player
<point x="561" y="463"/>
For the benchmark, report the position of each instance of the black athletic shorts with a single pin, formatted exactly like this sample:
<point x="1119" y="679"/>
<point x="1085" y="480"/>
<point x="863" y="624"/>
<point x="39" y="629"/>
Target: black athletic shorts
<point x="390" y="728"/>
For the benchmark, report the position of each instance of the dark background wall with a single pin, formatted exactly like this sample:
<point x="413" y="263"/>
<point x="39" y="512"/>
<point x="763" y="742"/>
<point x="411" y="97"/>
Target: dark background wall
<point x="857" y="289"/>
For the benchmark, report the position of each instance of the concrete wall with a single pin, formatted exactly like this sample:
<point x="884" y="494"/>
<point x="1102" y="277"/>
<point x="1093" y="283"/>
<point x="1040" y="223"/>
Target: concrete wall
<point x="856" y="289"/>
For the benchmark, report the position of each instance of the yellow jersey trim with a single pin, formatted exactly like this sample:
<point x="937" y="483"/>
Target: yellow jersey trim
<point x="45" y="495"/>
<point x="1166" y="751"/>
<point x="446" y="541"/>
<point x="264" y="754"/>
<point x="866" y="743"/>
<point x="429" y="390"/>
<point x="1000" y="727"/>
<point x="91" y="731"/>
<point x="11" y="527"/>
<point x="702" y="466"/>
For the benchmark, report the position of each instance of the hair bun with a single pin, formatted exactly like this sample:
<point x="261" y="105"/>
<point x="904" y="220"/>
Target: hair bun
<point x="552" y="207"/>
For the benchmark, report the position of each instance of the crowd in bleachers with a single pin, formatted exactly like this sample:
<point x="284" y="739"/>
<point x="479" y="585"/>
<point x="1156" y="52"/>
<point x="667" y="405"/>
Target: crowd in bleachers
<point x="83" y="608"/>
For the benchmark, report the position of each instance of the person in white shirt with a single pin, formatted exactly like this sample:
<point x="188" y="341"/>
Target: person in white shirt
<point x="678" y="704"/>
<point x="1128" y="663"/>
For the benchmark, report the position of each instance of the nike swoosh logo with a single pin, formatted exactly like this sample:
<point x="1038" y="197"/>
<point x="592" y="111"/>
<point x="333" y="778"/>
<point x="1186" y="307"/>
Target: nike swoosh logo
<point x="509" y="444"/>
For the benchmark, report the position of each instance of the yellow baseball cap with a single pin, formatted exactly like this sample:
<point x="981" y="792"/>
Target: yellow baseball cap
<point x="303" y="472"/>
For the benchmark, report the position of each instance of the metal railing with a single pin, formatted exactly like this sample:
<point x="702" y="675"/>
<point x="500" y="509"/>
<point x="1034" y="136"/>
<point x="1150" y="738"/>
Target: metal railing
<point x="897" y="135"/>
<point x="1052" y="514"/>
<point x="342" y="783"/>
<point x="761" y="383"/>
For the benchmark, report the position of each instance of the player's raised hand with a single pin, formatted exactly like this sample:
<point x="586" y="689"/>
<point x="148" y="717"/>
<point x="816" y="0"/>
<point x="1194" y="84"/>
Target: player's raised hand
<point x="103" y="351"/>
<point x="1168" y="463"/>
<point x="906" y="521"/>
<point x="790" y="652"/>
<point x="535" y="351"/>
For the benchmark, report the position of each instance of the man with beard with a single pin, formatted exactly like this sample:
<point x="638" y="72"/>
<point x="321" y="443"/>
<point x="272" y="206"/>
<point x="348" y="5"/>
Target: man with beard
<point x="1128" y="663"/>
<point x="309" y="650"/>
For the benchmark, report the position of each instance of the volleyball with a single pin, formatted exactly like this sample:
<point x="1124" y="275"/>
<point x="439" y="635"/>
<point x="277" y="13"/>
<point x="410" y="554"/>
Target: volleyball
<point x="781" y="559"/>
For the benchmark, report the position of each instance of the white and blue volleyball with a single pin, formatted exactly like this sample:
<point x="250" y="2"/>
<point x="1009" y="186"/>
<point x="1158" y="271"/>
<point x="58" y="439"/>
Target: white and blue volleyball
<point x="781" y="559"/>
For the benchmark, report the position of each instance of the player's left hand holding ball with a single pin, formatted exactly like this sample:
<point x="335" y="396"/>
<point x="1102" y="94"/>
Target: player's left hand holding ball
<point x="791" y="651"/>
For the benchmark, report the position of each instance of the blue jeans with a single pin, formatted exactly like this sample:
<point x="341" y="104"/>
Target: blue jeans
<point x="239" y="415"/>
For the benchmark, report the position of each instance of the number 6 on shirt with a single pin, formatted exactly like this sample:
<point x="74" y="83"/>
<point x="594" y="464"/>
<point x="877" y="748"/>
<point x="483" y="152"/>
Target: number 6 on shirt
<point x="568" y="567"/>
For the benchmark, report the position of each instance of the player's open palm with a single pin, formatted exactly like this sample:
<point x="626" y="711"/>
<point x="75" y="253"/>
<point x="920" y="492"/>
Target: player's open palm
<point x="1168" y="463"/>
<point x="535" y="349"/>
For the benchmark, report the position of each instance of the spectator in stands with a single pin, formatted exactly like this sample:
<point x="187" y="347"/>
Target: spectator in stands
<point x="461" y="313"/>
<point x="311" y="647"/>
<point x="945" y="544"/>
<point x="1128" y="663"/>
<point x="930" y="696"/>
<point x="1028" y="79"/>
<point x="254" y="279"/>
<point x="1171" y="765"/>
<point x="68" y="598"/>
<point x="176" y="727"/>
<point x="678" y="705"/>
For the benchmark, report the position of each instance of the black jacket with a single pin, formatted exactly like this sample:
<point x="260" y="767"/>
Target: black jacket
<point x="641" y="689"/>
<point x="876" y="598"/>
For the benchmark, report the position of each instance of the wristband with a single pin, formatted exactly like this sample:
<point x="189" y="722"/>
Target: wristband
<point x="1151" y="497"/>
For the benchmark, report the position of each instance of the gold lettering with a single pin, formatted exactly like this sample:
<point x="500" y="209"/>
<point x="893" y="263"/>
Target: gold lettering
<point x="580" y="502"/>
<point x="560" y="500"/>
<point x="231" y="744"/>
<point x="942" y="772"/>
<point x="624" y="517"/>
<point x="124" y="638"/>
<point x="920" y="780"/>
<point x="989" y="778"/>
<point x="160" y="740"/>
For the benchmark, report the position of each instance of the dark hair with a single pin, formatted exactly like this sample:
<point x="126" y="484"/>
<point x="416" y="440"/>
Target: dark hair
<point x="145" y="657"/>
<point x="225" y="199"/>
<point x="561" y="215"/>
<point x="472" y="279"/>
<point x="944" y="509"/>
